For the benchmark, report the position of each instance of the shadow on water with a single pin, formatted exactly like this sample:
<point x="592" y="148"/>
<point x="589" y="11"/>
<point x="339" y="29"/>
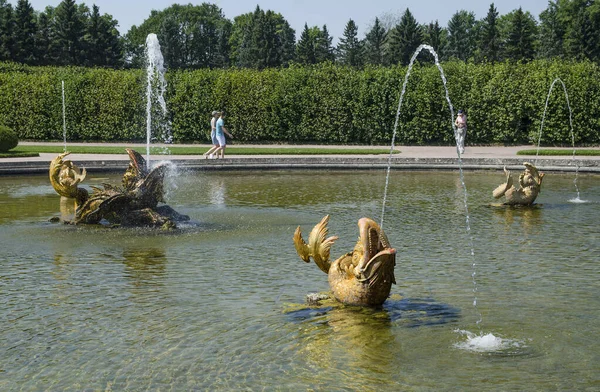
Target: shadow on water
<point x="189" y="227"/>
<point x="405" y="312"/>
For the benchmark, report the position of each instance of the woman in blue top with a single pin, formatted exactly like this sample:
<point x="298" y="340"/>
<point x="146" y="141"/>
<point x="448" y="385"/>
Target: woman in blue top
<point x="220" y="133"/>
<point x="213" y="137"/>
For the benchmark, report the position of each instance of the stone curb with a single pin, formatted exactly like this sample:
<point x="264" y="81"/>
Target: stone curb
<point x="321" y="163"/>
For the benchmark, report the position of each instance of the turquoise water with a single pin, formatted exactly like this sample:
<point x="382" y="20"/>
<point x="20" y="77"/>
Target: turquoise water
<point x="219" y="304"/>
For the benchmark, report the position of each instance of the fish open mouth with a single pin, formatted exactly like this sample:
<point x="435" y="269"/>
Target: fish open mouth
<point x="136" y="160"/>
<point x="373" y="239"/>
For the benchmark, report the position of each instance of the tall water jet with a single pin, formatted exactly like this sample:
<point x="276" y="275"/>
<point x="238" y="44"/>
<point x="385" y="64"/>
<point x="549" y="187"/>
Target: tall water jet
<point x="459" y="148"/>
<point x="64" y="116"/>
<point x="155" y="90"/>
<point x="576" y="199"/>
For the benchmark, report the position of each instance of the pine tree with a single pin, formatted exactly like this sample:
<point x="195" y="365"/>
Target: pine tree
<point x="374" y="44"/>
<point x="520" y="41"/>
<point x="25" y="28"/>
<point x="581" y="40"/>
<point x="552" y="32"/>
<point x="103" y="47"/>
<point x="350" y="49"/>
<point x="266" y="41"/>
<point x="435" y="36"/>
<point x="461" y="35"/>
<point x="404" y="39"/>
<point x="95" y="52"/>
<point x="324" y="50"/>
<point x="113" y="49"/>
<point x="288" y="43"/>
<point x="44" y="37"/>
<point x="69" y="30"/>
<point x="305" y="50"/>
<point x="223" y="58"/>
<point x="489" y="44"/>
<point x="7" y="22"/>
<point x="262" y="39"/>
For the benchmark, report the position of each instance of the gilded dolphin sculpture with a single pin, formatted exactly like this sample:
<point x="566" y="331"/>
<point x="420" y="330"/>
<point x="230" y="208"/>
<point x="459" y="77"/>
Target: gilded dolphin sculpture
<point x="134" y="203"/>
<point x="530" y="182"/>
<point x="361" y="277"/>
<point x="65" y="176"/>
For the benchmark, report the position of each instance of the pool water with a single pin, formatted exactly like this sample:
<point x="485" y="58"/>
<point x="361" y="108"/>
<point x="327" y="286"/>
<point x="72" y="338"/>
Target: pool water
<point x="219" y="304"/>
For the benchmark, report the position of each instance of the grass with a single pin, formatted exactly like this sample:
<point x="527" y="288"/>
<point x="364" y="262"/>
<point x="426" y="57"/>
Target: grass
<point x="561" y="152"/>
<point x="18" y="154"/>
<point x="175" y="150"/>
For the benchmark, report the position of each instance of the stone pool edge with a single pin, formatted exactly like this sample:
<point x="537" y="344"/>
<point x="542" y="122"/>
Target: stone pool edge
<point x="10" y="166"/>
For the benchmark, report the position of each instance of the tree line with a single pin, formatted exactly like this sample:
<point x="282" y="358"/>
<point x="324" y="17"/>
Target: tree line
<point x="200" y="36"/>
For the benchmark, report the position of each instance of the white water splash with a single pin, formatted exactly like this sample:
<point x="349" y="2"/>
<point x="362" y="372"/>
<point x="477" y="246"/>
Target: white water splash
<point x="155" y="89"/>
<point x="577" y="200"/>
<point x="488" y="343"/>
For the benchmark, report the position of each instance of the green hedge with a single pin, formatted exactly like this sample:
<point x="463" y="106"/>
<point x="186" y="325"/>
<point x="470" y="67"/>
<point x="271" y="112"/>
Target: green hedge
<point x="320" y="104"/>
<point x="8" y="138"/>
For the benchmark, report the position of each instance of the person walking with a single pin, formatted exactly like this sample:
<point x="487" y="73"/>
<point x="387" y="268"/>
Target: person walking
<point x="213" y="137"/>
<point x="461" y="130"/>
<point x="220" y="133"/>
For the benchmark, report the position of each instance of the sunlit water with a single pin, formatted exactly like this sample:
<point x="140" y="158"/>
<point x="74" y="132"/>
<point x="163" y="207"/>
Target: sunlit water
<point x="218" y="305"/>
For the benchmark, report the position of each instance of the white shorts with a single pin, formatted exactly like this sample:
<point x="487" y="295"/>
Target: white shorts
<point x="221" y="140"/>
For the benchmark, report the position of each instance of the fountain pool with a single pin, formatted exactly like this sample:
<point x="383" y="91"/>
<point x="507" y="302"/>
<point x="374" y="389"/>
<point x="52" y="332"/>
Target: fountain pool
<point x="218" y="306"/>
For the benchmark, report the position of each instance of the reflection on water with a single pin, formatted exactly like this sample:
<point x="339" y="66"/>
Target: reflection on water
<point x="203" y="308"/>
<point x="529" y="217"/>
<point x="145" y="266"/>
<point x="217" y="192"/>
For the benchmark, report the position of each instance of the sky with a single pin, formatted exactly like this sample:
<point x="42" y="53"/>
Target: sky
<point x="333" y="13"/>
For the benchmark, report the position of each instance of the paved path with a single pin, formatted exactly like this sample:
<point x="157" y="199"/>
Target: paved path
<point x="409" y="158"/>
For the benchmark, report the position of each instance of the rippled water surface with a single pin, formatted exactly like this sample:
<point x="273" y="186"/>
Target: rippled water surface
<point x="218" y="305"/>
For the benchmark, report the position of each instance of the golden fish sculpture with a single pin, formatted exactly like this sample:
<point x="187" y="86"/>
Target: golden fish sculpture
<point x="361" y="277"/>
<point x="530" y="182"/>
<point x="65" y="176"/>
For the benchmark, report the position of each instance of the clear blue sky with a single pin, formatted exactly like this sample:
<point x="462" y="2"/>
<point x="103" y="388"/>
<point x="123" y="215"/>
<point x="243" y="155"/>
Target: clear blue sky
<point x="333" y="13"/>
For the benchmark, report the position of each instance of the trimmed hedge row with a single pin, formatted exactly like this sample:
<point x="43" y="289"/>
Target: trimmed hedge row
<point x="321" y="104"/>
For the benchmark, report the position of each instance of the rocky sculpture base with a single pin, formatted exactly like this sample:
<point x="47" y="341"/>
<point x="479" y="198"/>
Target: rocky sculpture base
<point x="133" y="204"/>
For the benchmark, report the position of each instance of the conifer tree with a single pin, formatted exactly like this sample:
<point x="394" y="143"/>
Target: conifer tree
<point x="288" y="43"/>
<point x="324" y="50"/>
<point x="582" y="39"/>
<point x="350" y="49"/>
<point x="25" y="28"/>
<point x="43" y="38"/>
<point x="489" y="43"/>
<point x="374" y="44"/>
<point x="461" y="35"/>
<point x="552" y="32"/>
<point x="435" y="36"/>
<point x="404" y="39"/>
<point x="305" y="50"/>
<point x="7" y="22"/>
<point x="520" y="40"/>
<point x="69" y="32"/>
